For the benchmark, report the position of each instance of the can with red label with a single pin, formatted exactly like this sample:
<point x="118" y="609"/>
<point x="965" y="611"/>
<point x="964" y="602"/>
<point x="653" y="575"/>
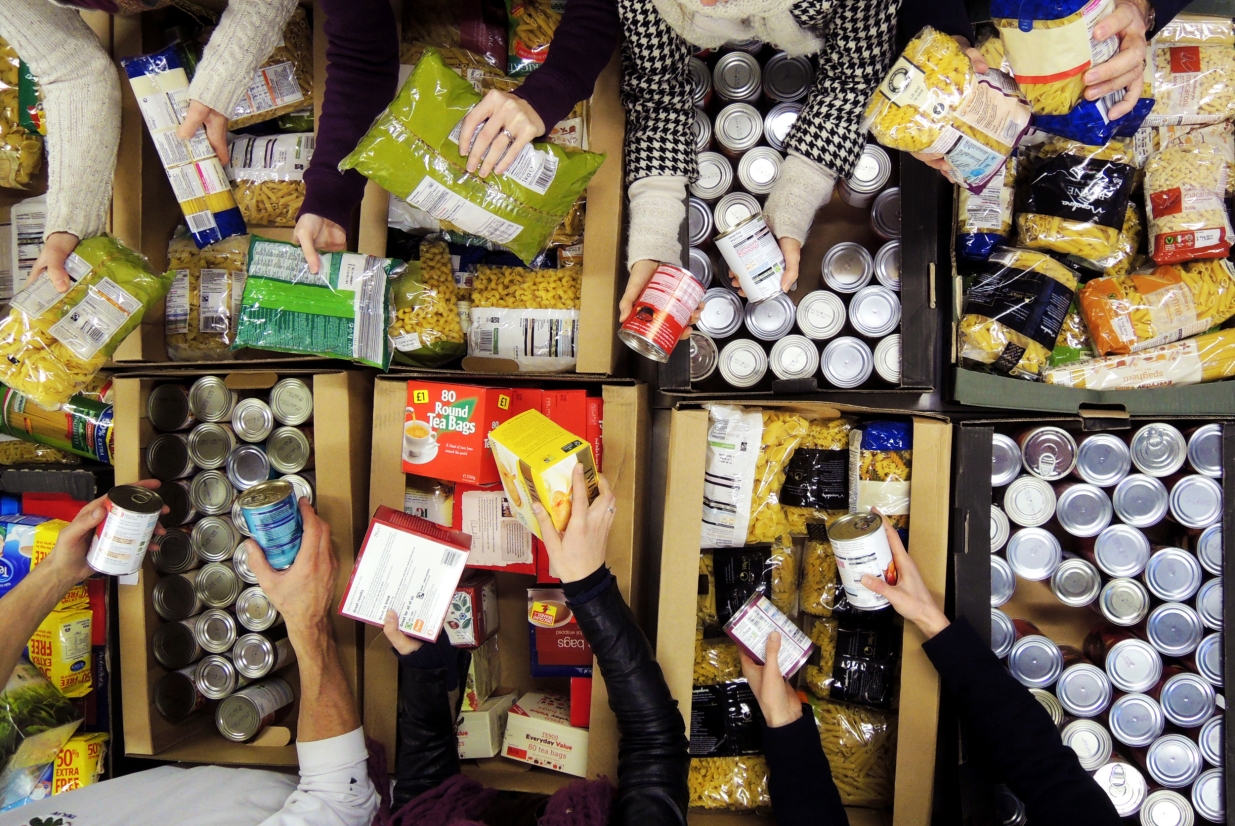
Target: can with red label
<point x="662" y="312"/>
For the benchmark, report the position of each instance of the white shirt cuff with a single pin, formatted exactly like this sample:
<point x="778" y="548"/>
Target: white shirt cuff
<point x="323" y="756"/>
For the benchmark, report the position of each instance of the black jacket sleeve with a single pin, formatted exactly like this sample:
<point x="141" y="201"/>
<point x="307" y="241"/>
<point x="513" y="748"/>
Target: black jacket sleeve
<point x="949" y="16"/>
<point x="1015" y="734"/>
<point x="653" y="761"/>
<point x="799" y="777"/>
<point x="1164" y="12"/>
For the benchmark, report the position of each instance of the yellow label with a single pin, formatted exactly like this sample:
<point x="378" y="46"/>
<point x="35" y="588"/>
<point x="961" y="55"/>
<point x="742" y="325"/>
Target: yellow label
<point x="543" y="613"/>
<point x="45" y="536"/>
<point x="60" y="648"/>
<point x="79" y="763"/>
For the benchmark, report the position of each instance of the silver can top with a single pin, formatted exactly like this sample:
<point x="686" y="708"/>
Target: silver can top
<point x="821" y="314"/>
<point x="1121" y="550"/>
<point x="1173" y="575"/>
<point x="759" y="170"/>
<point x="211" y="400"/>
<point x="888" y="359"/>
<point x="888" y="265"/>
<point x="794" y="357"/>
<point x="1207" y="794"/>
<point x="771" y="319"/>
<point x="1124" y="785"/>
<point x="872" y="170"/>
<point x="1134" y="666"/>
<point x="1205" y="450"/>
<point x="886" y="214"/>
<point x="1035" y="661"/>
<point x="1103" y="459"/>
<point x="1009" y="809"/>
<point x="703" y="356"/>
<point x="847" y="267"/>
<point x="700" y="80"/>
<point x="240" y="561"/>
<point x="847" y="362"/>
<point x="1211" y="741"/>
<point x="1209" y="549"/>
<point x="211" y="492"/>
<point x="720" y="314"/>
<point x="1209" y="659"/>
<point x="1084" y="690"/>
<point x="733" y="209"/>
<point x="1174" y="629"/>
<point x="174" y="645"/>
<point x="1173" y="761"/>
<point x="238" y="519"/>
<point x="215" y="676"/>
<point x="1209" y="604"/>
<point x="1029" y="501"/>
<point x="209" y="443"/>
<point x="247" y="466"/>
<point x="289" y="450"/>
<point x="1196" y="501"/>
<point x="1076" y="583"/>
<point x="738" y="127"/>
<point x="1083" y="509"/>
<point x="254" y="656"/>
<point x="1003" y="633"/>
<point x="743" y="363"/>
<point x="874" y="311"/>
<point x="701" y="128"/>
<point x="1124" y="602"/>
<point x="167" y="408"/>
<point x="1048" y="452"/>
<point x="1140" y="500"/>
<point x="698" y="221"/>
<point x="1187" y="700"/>
<point x="1003" y="581"/>
<point x="1005" y="460"/>
<point x="217" y="585"/>
<point x="787" y="77"/>
<point x="215" y="630"/>
<point x="700" y="266"/>
<point x="167" y="457"/>
<point x="255" y="610"/>
<point x="1136" y="720"/>
<point x="1048" y="701"/>
<point x="737" y="76"/>
<point x="1158" y="449"/>
<point x="291" y="402"/>
<point x="173" y="552"/>
<point x="252" y="420"/>
<point x="1090" y="741"/>
<point x="1034" y="554"/>
<point x="1167" y="808"/>
<point x="1001" y="529"/>
<point x="215" y="538"/>
<point x="778" y="123"/>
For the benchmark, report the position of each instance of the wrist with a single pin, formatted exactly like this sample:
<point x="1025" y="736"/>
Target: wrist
<point x="932" y="623"/>
<point x="781" y="719"/>
<point x="312" y="639"/>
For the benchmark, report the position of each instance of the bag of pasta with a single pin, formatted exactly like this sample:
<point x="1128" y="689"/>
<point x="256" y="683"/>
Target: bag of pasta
<point x="734" y="446"/>
<point x="1146" y="309"/>
<point x="1119" y="260"/>
<point x="1191" y="84"/>
<point x="1089" y="121"/>
<point x="816" y="484"/>
<point x="821" y="591"/>
<point x="736" y="783"/>
<point x="783" y="564"/>
<point x="472" y="32"/>
<point x="1197" y="30"/>
<point x="883" y="471"/>
<point x="1014" y="310"/>
<point x="716" y="660"/>
<point x="1076" y="198"/>
<point x="931" y="100"/>
<point x="267" y="176"/>
<point x="782" y="433"/>
<point x="53" y="343"/>
<point x="427" y="330"/>
<point x="284" y="83"/>
<point x="1208" y="357"/>
<point x="817" y="673"/>
<point x="83" y="425"/>
<point x="532" y="24"/>
<point x="726" y="769"/>
<point x="21" y="150"/>
<point x="530" y="317"/>
<point x="199" y="322"/>
<point x="1221" y="136"/>
<point x="1184" y="189"/>
<point x="860" y="744"/>
<point x="984" y="219"/>
<point x="706" y="608"/>
<point x="15" y="451"/>
<point x="1073" y="343"/>
<point x="739" y="573"/>
<point x="412" y="150"/>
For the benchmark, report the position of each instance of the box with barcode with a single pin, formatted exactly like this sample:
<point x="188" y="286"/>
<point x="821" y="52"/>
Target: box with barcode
<point x="752" y="624"/>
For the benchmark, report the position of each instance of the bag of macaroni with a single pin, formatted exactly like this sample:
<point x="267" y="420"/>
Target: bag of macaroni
<point x="447" y="429"/>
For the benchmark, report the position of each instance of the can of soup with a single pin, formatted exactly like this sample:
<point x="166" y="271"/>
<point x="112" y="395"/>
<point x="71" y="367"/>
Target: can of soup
<point x="175" y="643"/>
<point x="1196" y="501"/>
<point x="888" y="359"/>
<point x="888" y="265"/>
<point x="1003" y="581"/>
<point x="703" y="357"/>
<point x="1082" y="509"/>
<point x="291" y="402"/>
<point x="176" y="695"/>
<point x="1084" y="690"/>
<point x="1158" y="449"/>
<point x="886" y="214"/>
<point x="778" y="122"/>
<point x="255" y="610"/>
<point x="1211" y="740"/>
<point x="274" y="520"/>
<point x="1123" y="784"/>
<point x="210" y="443"/>
<point x="217" y="677"/>
<point x="861" y="547"/>
<point x="215" y="630"/>
<point x="700" y="266"/>
<point x="701" y="129"/>
<point x="168" y="408"/>
<point x="700" y="81"/>
<point x="661" y="312"/>
<point x="1000" y="528"/>
<point x="1205" y="449"/>
<point x="1076" y="583"/>
<point x="1173" y="761"/>
<point x="715" y="177"/>
<point x="211" y="492"/>
<point x="1089" y="739"/>
<point x="847" y="267"/>
<point x="1207" y="796"/>
<point x="168" y="458"/>
<point x="1207" y="659"/>
<point x="1174" y="629"/>
<point x="238" y="517"/>
<point x="698" y="222"/>
<point x="248" y="465"/>
<point x="119" y="543"/>
<point x="1029" y="501"/>
<point x="217" y="585"/>
<point x="1123" y="602"/>
<point x="733" y="209"/>
<point x="753" y="255"/>
<point x="847" y="362"/>
<point x="821" y="315"/>
<point x="290" y="449"/>
<point x="1167" y="808"/>
<point x="870" y="175"/>
<point x="215" y="538"/>
<point x="1035" y="661"/>
<point x="252" y="420"/>
<point x="743" y="363"/>
<point x="874" y="311"/>
<point x="257" y="656"/>
<point x="172" y="552"/>
<point x="210" y="400"/>
<point x="787" y="77"/>
<point x="737" y="77"/>
<point x="772" y="319"/>
<point x="738" y="127"/>
<point x="1173" y="575"/>
<point x="175" y="597"/>
<point x="1034" y="554"/>
<point x="244" y="714"/>
<point x="1047" y="452"/>
<point x="1140" y="500"/>
<point x="794" y="357"/>
<point x="1050" y="703"/>
<point x="1136" y="720"/>
<point x="1134" y="666"/>
<point x="722" y="313"/>
<point x="176" y="499"/>
<point x="759" y="169"/>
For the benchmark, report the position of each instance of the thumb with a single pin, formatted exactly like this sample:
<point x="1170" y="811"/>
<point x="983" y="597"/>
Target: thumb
<point x="305" y="239"/>
<point x="87" y="519"/>
<point x="193" y="120"/>
<point x="877" y="585"/>
<point x="257" y="560"/>
<point x="401" y="642"/>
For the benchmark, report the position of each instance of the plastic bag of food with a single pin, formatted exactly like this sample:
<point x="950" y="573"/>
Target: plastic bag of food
<point x="15" y="451"/>
<point x="1208" y="357"/>
<point x="1197" y="30"/>
<point x="21" y="149"/>
<point x="706" y="608"/>
<point x="820" y="578"/>
<point x="532" y="24"/>
<point x="203" y="304"/>
<point x="816" y="482"/>
<point x="345" y="311"/>
<point x="427" y="331"/>
<point x="299" y="121"/>
<point x="528" y="316"/>
<point x="739" y="573"/>
<point x="1184" y="189"/>
<point x="1219" y="135"/>
<point x="782" y="433"/>
<point x="37" y="720"/>
<point x="784" y="564"/>
<point x="931" y="100"/>
<point x="884" y="468"/>
<point x="866" y="661"/>
<point x="817" y="673"/>
<point x="1073" y="343"/>
<point x="716" y="660"/>
<point x="53" y="343"/>
<point x="1191" y="84"/>
<point x="860" y="744"/>
<point x="1089" y="121"/>
<point x="82" y="426"/>
<point x="268" y="176"/>
<point x="412" y="150"/>
<point x="737" y="783"/>
<point x="284" y="83"/>
<point x="1121" y="259"/>
<point x="1076" y="198"/>
<point x="1014" y="311"/>
<point x="60" y="648"/>
<point x="476" y="28"/>
<point x="734" y="446"/>
<point x="80" y="762"/>
<point x="984" y="219"/>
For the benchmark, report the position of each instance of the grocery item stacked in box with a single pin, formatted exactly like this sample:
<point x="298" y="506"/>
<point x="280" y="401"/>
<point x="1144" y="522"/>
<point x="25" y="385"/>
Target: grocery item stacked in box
<point x="1127" y="530"/>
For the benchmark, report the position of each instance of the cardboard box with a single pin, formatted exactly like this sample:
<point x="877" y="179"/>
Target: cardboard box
<point x="484" y="675"/>
<point x="559" y="648"/>
<point x="580" y="701"/>
<point x="447" y="427"/>
<point x="538" y="731"/>
<point x="628" y="417"/>
<point x="345" y="400"/>
<point x="499" y="540"/>
<point x="480" y="732"/>
<point x="679" y="577"/>
<point x="472" y="616"/>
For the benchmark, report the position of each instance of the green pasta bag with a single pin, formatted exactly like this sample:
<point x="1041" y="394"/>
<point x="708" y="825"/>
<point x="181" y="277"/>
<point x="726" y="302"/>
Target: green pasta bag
<point x="428" y="325"/>
<point x="344" y="311"/>
<point x="412" y="150"/>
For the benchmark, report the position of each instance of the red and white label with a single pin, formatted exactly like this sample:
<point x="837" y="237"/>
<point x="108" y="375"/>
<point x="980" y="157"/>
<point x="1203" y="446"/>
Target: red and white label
<point x="664" y="307"/>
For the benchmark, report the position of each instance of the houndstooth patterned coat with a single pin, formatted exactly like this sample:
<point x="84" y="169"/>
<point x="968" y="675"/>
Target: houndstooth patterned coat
<point x="859" y="42"/>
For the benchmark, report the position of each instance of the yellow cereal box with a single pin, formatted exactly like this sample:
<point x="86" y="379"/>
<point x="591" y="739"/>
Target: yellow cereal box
<point x="79" y="763"/>
<point x="45" y="536"/>
<point x="60" y="648"/>
<point x="536" y="461"/>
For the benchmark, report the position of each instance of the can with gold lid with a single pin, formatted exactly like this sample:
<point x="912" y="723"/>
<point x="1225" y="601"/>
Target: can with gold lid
<point x="211" y="400"/>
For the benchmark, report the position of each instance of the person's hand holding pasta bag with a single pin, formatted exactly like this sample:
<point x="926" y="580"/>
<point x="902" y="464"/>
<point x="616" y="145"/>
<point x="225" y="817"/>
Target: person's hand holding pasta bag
<point x="1129" y="24"/>
<point x="934" y="159"/>
<point x="496" y="130"/>
<point x="909" y="596"/>
<point x="313" y="233"/>
<point x="56" y="250"/>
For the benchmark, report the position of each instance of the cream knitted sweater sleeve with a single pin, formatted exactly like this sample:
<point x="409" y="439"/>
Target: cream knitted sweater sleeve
<point x="246" y="35"/>
<point x="81" y="100"/>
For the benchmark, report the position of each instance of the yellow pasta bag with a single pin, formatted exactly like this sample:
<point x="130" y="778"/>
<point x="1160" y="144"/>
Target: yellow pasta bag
<point x="884" y="470"/>
<point x="783" y="563"/>
<point x="1221" y="136"/>
<point x="527" y="316"/>
<point x="1205" y="358"/>
<point x="739" y="783"/>
<point x="817" y="674"/>
<point x="203" y="303"/>
<point x="820" y="577"/>
<point x="782" y="433"/>
<point x="1184" y="189"/>
<point x="21" y="150"/>
<point x="428" y="329"/>
<point x="1073" y="343"/>
<point x="860" y="743"/>
<point x="1191" y="84"/>
<point x="706" y="609"/>
<point x="80" y="762"/>
<point x="60" y="648"/>
<point x="984" y="219"/>
<point x="267" y="175"/>
<point x="532" y="24"/>
<point x="716" y="660"/>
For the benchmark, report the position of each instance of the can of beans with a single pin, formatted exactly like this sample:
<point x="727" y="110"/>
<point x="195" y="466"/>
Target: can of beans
<point x="861" y="547"/>
<point x="870" y="175"/>
<point x="1029" y="501"/>
<point x="1035" y="662"/>
<point x="176" y="695"/>
<point x="252" y="420"/>
<point x="175" y="643"/>
<point x="753" y="255"/>
<point x="700" y="266"/>
<point x="290" y="449"/>
<point x="1047" y="452"/>
<point x="772" y="319"/>
<point x="167" y="457"/>
<point x="698" y="222"/>
<point x="1158" y="449"/>
<point x="661" y="312"/>
<point x="217" y="585"/>
<point x="211" y="492"/>
<point x="243" y="715"/>
<point x="1089" y="739"/>
<point x="874" y="311"/>
<point x="257" y="656"/>
<point x="1005" y="460"/>
<point x="738" y="127"/>
<point x="743" y="363"/>
<point x="1196" y="501"/>
<point x="733" y="209"/>
<point x="210" y="443"/>
<point x="847" y="267"/>
<point x="1003" y="581"/>
<point x="291" y="402"/>
<point x="1207" y="659"/>
<point x="704" y="356"/>
<point x="1034" y="554"/>
<point x="888" y="359"/>
<point x="1173" y="575"/>
<point x="1084" y="690"/>
<point x="847" y="362"/>
<point x="701" y="129"/>
<point x="168" y="408"/>
<point x="737" y="77"/>
<point x="787" y="77"/>
<point x="759" y="169"/>
<point x="1003" y="633"/>
<point x="778" y="123"/>
<point x="888" y="265"/>
<point x="715" y="177"/>
<point x="1167" y="808"/>
<point x="1136" y="720"/>
<point x="211" y="400"/>
<point x="1102" y="459"/>
<point x="172" y="552"/>
<point x="255" y="610"/>
<point x="215" y="538"/>
<point x="700" y="82"/>
<point x="119" y="543"/>
<point x="215" y="630"/>
<point x="274" y="520"/>
<point x="1123" y="602"/>
<point x="1209" y="549"/>
<point x="1140" y="500"/>
<point x="794" y="357"/>
<point x="886" y="214"/>
<point x="1082" y="509"/>
<point x="821" y="315"/>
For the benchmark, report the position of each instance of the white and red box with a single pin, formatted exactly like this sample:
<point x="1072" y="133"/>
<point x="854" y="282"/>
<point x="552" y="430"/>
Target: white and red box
<point x="499" y="540"/>
<point x="480" y="732"/>
<point x="472" y="616"/>
<point x="752" y="624"/>
<point x="538" y="731"/>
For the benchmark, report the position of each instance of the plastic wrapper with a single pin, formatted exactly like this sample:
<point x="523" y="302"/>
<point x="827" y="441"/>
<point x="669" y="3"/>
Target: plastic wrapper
<point x="817" y="674"/>
<point x="884" y="471"/>
<point x="427" y="331"/>
<point x="532" y="24"/>
<point x="267" y="174"/>
<point x="60" y="648"/>
<point x="21" y="149"/>
<point x="1147" y="309"/>
<point x="1076" y="198"/>
<point x="80" y="762"/>
<point x="782" y="433"/>
<point x="734" y="444"/>
<point x="992" y="51"/>
<point x="1191" y="84"/>
<point x="1221" y="136"/>
<point x="53" y="343"/>
<point x="1089" y="120"/>
<point x="284" y="83"/>
<point x="1197" y="30"/>
<point x="706" y="609"/>
<point x="1184" y="189"/>
<point x="821" y="591"/>
<point x="984" y="219"/>
<point x="299" y="121"/>
<point x="932" y="101"/>
<point x="14" y="451"/>
<point x="725" y="720"/>
<point x="476" y="28"/>
<point x="199" y="322"/>
<point x="1014" y="310"/>
<point x="345" y="311"/>
<point x="81" y="427"/>
<point x="36" y="721"/>
<point x="866" y="662"/>
<point x="528" y="316"/>
<point x="736" y="783"/>
<point x="784" y="565"/>
<point x="716" y="660"/>
<point x="1073" y="343"/>
<point x="412" y="151"/>
<point x="739" y="573"/>
<point x="816" y="482"/>
<point x="860" y="744"/>
<point x="1120" y="259"/>
<point x="1208" y="357"/>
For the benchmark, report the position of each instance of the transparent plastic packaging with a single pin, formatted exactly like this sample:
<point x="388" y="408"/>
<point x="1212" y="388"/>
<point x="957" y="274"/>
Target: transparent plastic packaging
<point x="784" y="565"/>
<point x="530" y="316"/>
<point x="267" y="175"/>
<point x="472" y="34"/>
<point x="1184" y="190"/>
<point x="37" y="720"/>
<point x="1073" y="343"/>
<point x="532" y="25"/>
<point x="782" y="433"/>
<point x="716" y="660"/>
<point x="860" y="744"/>
<point x="284" y="83"/>
<point x="21" y="150"/>
<point x="83" y="426"/>
<point x="821" y="434"/>
<point x="1206" y="358"/>
<point x="199" y="319"/>
<point x="735" y="783"/>
<point x="821" y="588"/>
<point x="1219" y="135"/>
<point x="706" y="608"/>
<point x="1191" y="84"/>
<point x="427" y="331"/>
<point x="885" y="470"/>
<point x="817" y="674"/>
<point x="984" y="220"/>
<point x="1197" y="30"/>
<point x="1122" y="258"/>
<point x="14" y="451"/>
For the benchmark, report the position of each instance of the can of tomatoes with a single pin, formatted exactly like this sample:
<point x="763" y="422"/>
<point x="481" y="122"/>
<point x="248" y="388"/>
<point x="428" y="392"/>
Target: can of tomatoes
<point x="662" y="312"/>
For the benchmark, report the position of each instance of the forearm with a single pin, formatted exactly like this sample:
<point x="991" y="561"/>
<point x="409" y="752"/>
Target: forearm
<point x="246" y="35"/>
<point x="799" y="777"/>
<point x="581" y="48"/>
<point x="327" y="706"/>
<point x="657" y="210"/>
<point x="24" y="608"/>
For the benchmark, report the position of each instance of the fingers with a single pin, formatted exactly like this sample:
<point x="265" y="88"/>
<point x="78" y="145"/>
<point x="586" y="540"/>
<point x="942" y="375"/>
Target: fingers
<point x="979" y="62"/>
<point x="578" y="493"/>
<point x="479" y="114"/>
<point x="87" y="519"/>
<point x="193" y="120"/>
<point x="400" y="641"/>
<point x="627" y="302"/>
<point x="771" y="666"/>
<point x="499" y="150"/>
<point x="1132" y="94"/>
<point x="257" y="562"/>
<point x="483" y="147"/>
<point x="523" y="136"/>
<point x="752" y="672"/>
<point x="548" y="532"/>
<point x="606" y="490"/>
<point x="1119" y="72"/>
<point x="1114" y="22"/>
<point x="216" y="134"/>
<point x="305" y="239"/>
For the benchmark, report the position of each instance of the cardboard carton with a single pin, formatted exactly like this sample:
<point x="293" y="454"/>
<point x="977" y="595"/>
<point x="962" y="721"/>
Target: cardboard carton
<point x="484" y="675"/>
<point x="480" y="732"/>
<point x="580" y="701"/>
<point x="472" y="616"/>
<point x="499" y="540"/>
<point x="446" y="430"/>
<point x="538" y="731"/>
<point x="559" y="648"/>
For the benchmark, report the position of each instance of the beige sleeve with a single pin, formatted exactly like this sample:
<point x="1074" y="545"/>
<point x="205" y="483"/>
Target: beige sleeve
<point x="246" y="35"/>
<point x="802" y="188"/>
<point x="657" y="210"/>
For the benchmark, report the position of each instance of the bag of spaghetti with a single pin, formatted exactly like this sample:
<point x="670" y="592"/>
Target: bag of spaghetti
<point x="1191" y="84"/>
<point x="52" y="343"/>
<point x="1118" y="261"/>
<point x="1014" y="310"/>
<point x="284" y="82"/>
<point x="267" y="176"/>
<point x="984" y="219"/>
<point x="528" y="316"/>
<point x="532" y="25"/>
<point x="21" y="149"/>
<point x="932" y="101"/>
<point x="1205" y="358"/>
<point x="203" y="304"/>
<point x="83" y="425"/>
<point x="816" y="485"/>
<point x="1184" y="190"/>
<point x="427" y="330"/>
<point x="860" y="744"/>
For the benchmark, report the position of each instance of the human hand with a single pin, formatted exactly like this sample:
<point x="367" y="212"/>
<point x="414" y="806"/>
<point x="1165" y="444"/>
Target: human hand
<point x="313" y="233"/>
<point x="577" y="552"/>
<point x="56" y="250"/>
<point x="67" y="560"/>
<point x="909" y="596"/>
<point x="933" y="159"/>
<point x="510" y="123"/>
<point x="791" y="248"/>
<point x="777" y="699"/>
<point x="304" y="592"/>
<point x="640" y="274"/>
<point x="1126" y="69"/>
<point x="215" y="122"/>
<point x="402" y="643"/>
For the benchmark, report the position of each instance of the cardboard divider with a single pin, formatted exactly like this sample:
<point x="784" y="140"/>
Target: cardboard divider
<point x="919" y="706"/>
<point x="342" y="405"/>
<point x="626" y="440"/>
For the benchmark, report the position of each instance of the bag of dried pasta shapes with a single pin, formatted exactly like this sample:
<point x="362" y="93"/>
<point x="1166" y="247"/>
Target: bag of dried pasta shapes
<point x="1221" y="136"/>
<point x="1190" y="84"/>
<point x="984" y="219"/>
<point x="1205" y="358"/>
<point x="1184" y="190"/>
<point x="1014" y="310"/>
<point x="816" y="485"/>
<point x="820" y="593"/>
<point x="267" y="175"/>
<point x="528" y="316"/>
<point x="1089" y="121"/>
<point x="817" y="673"/>
<point x="739" y="573"/>
<point x="881" y="474"/>
<point x="716" y="659"/>
<point x="284" y="83"/>
<point x="199" y="319"/>
<point x="727" y="770"/>
<point x="706" y="607"/>
<point x="21" y="149"/>
<point x="1121" y="259"/>
<point x="860" y="744"/>
<point x="782" y="433"/>
<point x="1073" y="343"/>
<point x="932" y="100"/>
<point x="471" y="34"/>
<point x="1197" y="30"/>
<point x="427" y="330"/>
<point x="53" y="343"/>
<point x="532" y="25"/>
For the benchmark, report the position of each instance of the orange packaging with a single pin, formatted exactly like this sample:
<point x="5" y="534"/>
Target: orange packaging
<point x="566" y="408"/>
<point x="596" y="429"/>
<point x="446" y="430"/>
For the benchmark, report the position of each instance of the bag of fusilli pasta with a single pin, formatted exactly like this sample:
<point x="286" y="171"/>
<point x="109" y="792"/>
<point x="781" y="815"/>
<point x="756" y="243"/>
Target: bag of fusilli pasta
<point x="716" y="660"/>
<point x="1220" y="136"/>
<point x="1191" y="84"/>
<point x="883" y="472"/>
<point x="820" y="591"/>
<point x="782" y="433"/>
<point x="984" y="219"/>
<point x="284" y="82"/>
<point x="1184" y="190"/>
<point x="267" y="176"/>
<point x="816" y="482"/>
<point x="428" y="326"/>
<point x="199" y="319"/>
<point x="737" y="783"/>
<point x="931" y="100"/>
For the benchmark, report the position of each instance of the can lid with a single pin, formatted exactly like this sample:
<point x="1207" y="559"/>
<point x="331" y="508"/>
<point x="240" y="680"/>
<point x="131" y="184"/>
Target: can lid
<point x="888" y="265"/>
<point x="1166" y="808"/>
<point x="772" y="318"/>
<point x="288" y="449"/>
<point x="703" y="356"/>
<point x="216" y="630"/>
<point x="175" y="696"/>
<point x="759" y="169"/>
<point x="1140" y="500"/>
<point x="265" y="493"/>
<point x="872" y="170"/>
<point x="1029" y="501"/>
<point x="1005" y="460"/>
<point x="794" y="357"/>
<point x="1158" y="449"/>
<point x="1173" y="761"/>
<point x="167" y="456"/>
<point x="211" y="400"/>
<point x="821" y="314"/>
<point x="238" y="519"/>
<point x="1123" y="784"/>
<point x="738" y="126"/>
<point x="720" y="314"/>
<point x="1048" y="701"/>
<point x="698" y="221"/>
<point x="1076" y="583"/>
<point x="168" y="407"/>
<point x="1136" y="720"/>
<point x="1035" y="661"/>
<point x="240" y="561"/>
<point x="1124" y="602"/>
<point x="733" y="209"/>
<point x="1196" y="501"/>
<point x="1209" y="604"/>
<point x="1209" y="659"/>
<point x="779" y="122"/>
<point x="136" y="498"/>
<point x="874" y="311"/>
<point x="1187" y="700"/>
<point x="1207" y="795"/>
<point x="1211" y="741"/>
<point x="847" y="362"/>
<point x="1049" y="453"/>
<point x="1121" y="550"/>
<point x="1084" y="510"/>
<point x="1003" y="581"/>
<point x="701" y="128"/>
<point x="743" y="363"/>
<point x="787" y="77"/>
<point x="715" y="176"/>
<point x="1000" y="528"/>
<point x="847" y="267"/>
<point x="1003" y="633"/>
<point x="1103" y="459"/>
<point x="1205" y="450"/>
<point x="1009" y="809"/>
<point x="173" y="552"/>
<point x="854" y="526"/>
<point x="1084" y="690"/>
<point x="1034" y="553"/>
<point x="1174" y="629"/>
<point x="215" y="676"/>
<point x="888" y="359"/>
<point x="700" y="267"/>
<point x="1090" y="741"/>
<point x="212" y="492"/>
<point x="1173" y="575"/>
<point x="209" y="443"/>
<point x="215" y="538"/>
<point x="253" y="655"/>
<point x="254" y="609"/>
<point x="217" y="584"/>
<point x="737" y="74"/>
<point x="1209" y="549"/>
<point x="174" y="645"/>
<point x="237" y="718"/>
<point x="1133" y="666"/>
<point x="291" y="402"/>
<point x="886" y="213"/>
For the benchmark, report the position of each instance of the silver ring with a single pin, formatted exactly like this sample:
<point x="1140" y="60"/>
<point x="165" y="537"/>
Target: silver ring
<point x="509" y="135"/>
<point x="612" y="509"/>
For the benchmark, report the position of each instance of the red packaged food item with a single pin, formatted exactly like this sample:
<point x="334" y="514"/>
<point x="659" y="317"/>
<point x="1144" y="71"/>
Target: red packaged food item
<point x="596" y="428"/>
<point x="557" y="637"/>
<point x="446" y="430"/>
<point x="581" y="701"/>
<point x="661" y="312"/>
<point x="473" y="616"/>
<point x="566" y="408"/>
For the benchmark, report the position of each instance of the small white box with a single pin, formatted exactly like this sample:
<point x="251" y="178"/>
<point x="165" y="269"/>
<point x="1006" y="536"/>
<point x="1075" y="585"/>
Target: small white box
<point x="484" y="675"/>
<point x="538" y="731"/>
<point x="480" y="732"/>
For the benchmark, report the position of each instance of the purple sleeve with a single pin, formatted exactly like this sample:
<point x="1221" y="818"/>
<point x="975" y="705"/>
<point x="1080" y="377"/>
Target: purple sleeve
<point x="362" y="75"/>
<point x="581" y="48"/>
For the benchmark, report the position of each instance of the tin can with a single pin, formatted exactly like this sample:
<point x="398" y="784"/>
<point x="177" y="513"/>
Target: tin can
<point x="1025" y="628"/>
<point x="1090" y="740"/>
<point x="291" y="402"/>
<point x="1140" y="501"/>
<point x="303" y="485"/>
<point x="175" y="644"/>
<point x="240" y="562"/>
<point x="821" y="315"/>
<point x="255" y="610"/>
<point x="738" y="127"/>
<point x="1003" y="581"/>
<point x="715" y="177"/>
<point x="1123" y="602"/>
<point x="1029" y="501"/>
<point x="217" y="585"/>
<point x="1076" y="583"/>
<point x="794" y="357"/>
<point x="248" y="465"/>
<point x="1166" y="808"/>
<point x="211" y="492"/>
<point x="119" y="544"/>
<point x="1187" y="700"/>
<point x="1009" y="808"/>
<point x="1174" y="629"/>
<point x="1035" y="662"/>
<point x="700" y="82"/>
<point x="1003" y="633"/>
<point x="847" y="267"/>
<point x="172" y="552"/>
<point x="759" y="169"/>
<point x="167" y="457"/>
<point x="847" y="362"/>
<point x="209" y="445"/>
<point x="274" y="520"/>
<point x="238" y="518"/>
<point x="1047" y="452"/>
<point x="175" y="597"/>
<point x="215" y="630"/>
<point x="886" y="214"/>
<point x="888" y="265"/>
<point x="1209" y="604"/>
<point x="874" y="311"/>
<point x="703" y="357"/>
<point x="1196" y="501"/>
<point x="1205" y="449"/>
<point x="737" y="77"/>
<point x="1209" y="549"/>
<point x="1123" y="784"/>
<point x="290" y="449"/>
<point x="175" y="496"/>
<point x="216" y="677"/>
<point x="1172" y="575"/>
<point x="176" y="695"/>
<point x="256" y="656"/>
<point x="771" y="319"/>
<point x="787" y="78"/>
<point x="1102" y="459"/>
<point x="1207" y="796"/>
<point x="750" y="46"/>
<point x="1173" y="761"/>
<point x="1005" y="460"/>
<point x="215" y="538"/>
<point x="743" y="363"/>
<point x="1211" y="741"/>
<point x="733" y="209"/>
<point x="167" y="408"/>
<point x="1084" y="690"/>
<point x="1099" y="642"/>
<point x="660" y="314"/>
<point x="211" y="400"/>
<point x="888" y="359"/>
<point x="1136" y="720"/>
<point x="701" y="129"/>
<point x="870" y="175"/>
<point x="1047" y="700"/>
<point x="861" y="547"/>
<point x="722" y="313"/>
<point x="243" y="715"/>
<point x="753" y="255"/>
<point x="1207" y="659"/>
<point x="1158" y="449"/>
<point x="252" y="420"/>
<point x="1134" y="666"/>
<point x="698" y="221"/>
<point x="700" y="266"/>
<point x="778" y="123"/>
<point x="1034" y="554"/>
<point x="1000" y="528"/>
<point x="1082" y="509"/>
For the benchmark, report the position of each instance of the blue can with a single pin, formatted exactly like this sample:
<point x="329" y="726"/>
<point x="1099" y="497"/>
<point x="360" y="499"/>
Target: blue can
<point x="273" y="516"/>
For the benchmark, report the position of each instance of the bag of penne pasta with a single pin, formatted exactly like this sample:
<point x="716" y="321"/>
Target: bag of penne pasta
<point x="716" y="659"/>
<point x="1184" y="190"/>
<point x="532" y="25"/>
<point x="284" y="82"/>
<point x="267" y="175"/>
<point x="1120" y="259"/>
<point x="1072" y="344"/>
<point x="860" y="744"/>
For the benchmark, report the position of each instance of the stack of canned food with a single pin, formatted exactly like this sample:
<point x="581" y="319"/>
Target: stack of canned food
<point x="223" y="458"/>
<point x="1132" y="530"/>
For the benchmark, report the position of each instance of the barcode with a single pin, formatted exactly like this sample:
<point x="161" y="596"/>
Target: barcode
<point x="544" y="177"/>
<point x="486" y="341"/>
<point x="95" y="333"/>
<point x="548" y="337"/>
<point x="448" y="558"/>
<point x="201" y="221"/>
<point x="369" y="332"/>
